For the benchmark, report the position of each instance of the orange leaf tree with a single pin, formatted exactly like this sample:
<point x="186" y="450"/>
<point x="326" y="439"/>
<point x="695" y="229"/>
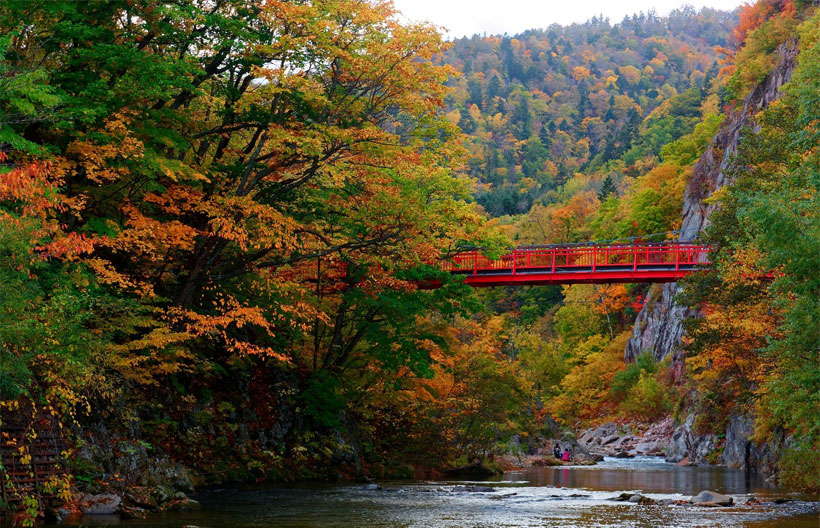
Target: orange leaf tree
<point x="266" y="180"/>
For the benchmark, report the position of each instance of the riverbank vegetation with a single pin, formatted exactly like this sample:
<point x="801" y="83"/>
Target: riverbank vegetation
<point x="214" y="218"/>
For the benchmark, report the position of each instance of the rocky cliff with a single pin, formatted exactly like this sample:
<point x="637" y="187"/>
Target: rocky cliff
<point x="659" y="326"/>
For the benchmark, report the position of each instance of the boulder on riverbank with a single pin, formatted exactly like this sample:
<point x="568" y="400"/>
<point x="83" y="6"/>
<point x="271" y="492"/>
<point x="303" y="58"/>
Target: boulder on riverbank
<point x="141" y="497"/>
<point x="587" y="459"/>
<point x="101" y="504"/>
<point x="133" y="512"/>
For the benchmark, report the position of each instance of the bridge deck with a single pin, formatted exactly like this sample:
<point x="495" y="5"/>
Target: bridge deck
<point x="580" y="264"/>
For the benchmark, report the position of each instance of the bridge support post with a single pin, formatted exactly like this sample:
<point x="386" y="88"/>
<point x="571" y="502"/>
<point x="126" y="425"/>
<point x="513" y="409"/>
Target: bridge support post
<point x="677" y="256"/>
<point x="594" y="251"/>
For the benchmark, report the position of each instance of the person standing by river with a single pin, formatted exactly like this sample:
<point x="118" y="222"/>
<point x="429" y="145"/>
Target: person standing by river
<point x="566" y="457"/>
<point x="556" y="450"/>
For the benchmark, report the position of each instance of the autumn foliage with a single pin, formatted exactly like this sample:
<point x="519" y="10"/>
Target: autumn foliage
<point x="207" y="198"/>
<point x="215" y="216"/>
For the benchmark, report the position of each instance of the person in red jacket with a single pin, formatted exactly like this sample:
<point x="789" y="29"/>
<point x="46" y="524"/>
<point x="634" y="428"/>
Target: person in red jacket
<point x="566" y="457"/>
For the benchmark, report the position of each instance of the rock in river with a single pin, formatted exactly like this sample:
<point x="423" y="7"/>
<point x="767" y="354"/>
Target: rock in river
<point x="635" y="498"/>
<point x="710" y="498"/>
<point x="622" y="497"/>
<point x="474" y="489"/>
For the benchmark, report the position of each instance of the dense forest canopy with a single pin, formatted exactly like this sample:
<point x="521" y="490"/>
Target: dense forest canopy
<point x="202" y="192"/>
<point x="546" y="104"/>
<point x="214" y="218"/>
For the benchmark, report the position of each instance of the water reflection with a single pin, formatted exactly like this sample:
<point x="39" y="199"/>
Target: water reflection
<point x="648" y="474"/>
<point x="567" y="497"/>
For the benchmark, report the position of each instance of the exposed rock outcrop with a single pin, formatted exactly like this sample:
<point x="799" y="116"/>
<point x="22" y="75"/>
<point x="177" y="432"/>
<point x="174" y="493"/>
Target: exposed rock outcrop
<point x="624" y="441"/>
<point x="131" y="461"/>
<point x="740" y="451"/>
<point x="687" y="444"/>
<point x="659" y="326"/>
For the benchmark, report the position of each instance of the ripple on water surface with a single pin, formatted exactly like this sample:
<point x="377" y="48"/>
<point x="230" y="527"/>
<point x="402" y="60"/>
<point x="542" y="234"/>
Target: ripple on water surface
<point x="567" y="497"/>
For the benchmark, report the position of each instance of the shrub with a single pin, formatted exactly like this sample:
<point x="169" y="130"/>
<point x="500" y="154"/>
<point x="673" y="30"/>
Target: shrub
<point x="627" y="378"/>
<point x="647" y="399"/>
<point x="800" y="468"/>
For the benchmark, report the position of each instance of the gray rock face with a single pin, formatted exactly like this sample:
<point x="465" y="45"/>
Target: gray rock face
<point x="141" y="497"/>
<point x="686" y="443"/>
<point x="136" y="462"/>
<point x="659" y="326"/>
<point x="613" y="440"/>
<point x="737" y="447"/>
<point x="741" y="452"/>
<point x="653" y="447"/>
<point x="596" y="435"/>
<point x="608" y="440"/>
<point x="592" y="439"/>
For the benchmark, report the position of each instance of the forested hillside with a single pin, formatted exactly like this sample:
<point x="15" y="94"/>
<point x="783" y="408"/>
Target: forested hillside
<point x="546" y="104"/>
<point x="738" y="357"/>
<point x="589" y="133"/>
<point x="215" y="218"/>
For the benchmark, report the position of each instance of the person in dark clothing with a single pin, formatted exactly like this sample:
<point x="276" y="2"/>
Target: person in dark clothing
<point x="556" y="450"/>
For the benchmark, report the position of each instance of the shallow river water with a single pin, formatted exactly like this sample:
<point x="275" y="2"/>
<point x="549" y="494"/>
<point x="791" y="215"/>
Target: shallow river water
<point x="567" y="497"/>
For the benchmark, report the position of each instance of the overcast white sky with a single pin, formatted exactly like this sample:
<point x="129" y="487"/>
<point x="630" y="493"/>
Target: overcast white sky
<point x="466" y="17"/>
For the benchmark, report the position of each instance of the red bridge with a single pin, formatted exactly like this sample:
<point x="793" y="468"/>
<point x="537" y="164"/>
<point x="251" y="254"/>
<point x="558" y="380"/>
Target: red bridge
<point x="581" y="264"/>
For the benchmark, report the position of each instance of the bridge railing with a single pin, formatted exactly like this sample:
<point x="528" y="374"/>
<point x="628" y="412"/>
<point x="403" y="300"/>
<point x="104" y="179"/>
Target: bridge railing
<point x="569" y="258"/>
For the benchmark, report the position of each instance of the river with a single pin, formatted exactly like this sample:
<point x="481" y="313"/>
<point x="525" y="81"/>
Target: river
<point x="567" y="497"/>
